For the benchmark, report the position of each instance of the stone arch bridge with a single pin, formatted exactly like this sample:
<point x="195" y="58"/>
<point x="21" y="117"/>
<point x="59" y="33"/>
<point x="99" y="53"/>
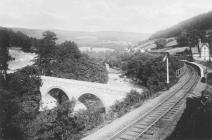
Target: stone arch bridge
<point x="104" y="94"/>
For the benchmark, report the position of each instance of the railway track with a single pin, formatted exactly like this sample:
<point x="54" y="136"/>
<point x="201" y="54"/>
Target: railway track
<point x="143" y="127"/>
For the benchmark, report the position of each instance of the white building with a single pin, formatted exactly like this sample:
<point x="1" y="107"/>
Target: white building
<point x="204" y="51"/>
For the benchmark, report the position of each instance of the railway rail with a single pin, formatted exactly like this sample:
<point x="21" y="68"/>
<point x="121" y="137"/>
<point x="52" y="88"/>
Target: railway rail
<point x="143" y="127"/>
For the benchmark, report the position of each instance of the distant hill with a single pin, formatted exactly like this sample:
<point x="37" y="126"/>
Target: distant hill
<point x="103" y="39"/>
<point x="201" y="22"/>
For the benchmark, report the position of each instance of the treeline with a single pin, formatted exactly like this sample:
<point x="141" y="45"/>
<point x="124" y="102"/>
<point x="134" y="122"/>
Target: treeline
<point x="19" y="39"/>
<point x="201" y="22"/>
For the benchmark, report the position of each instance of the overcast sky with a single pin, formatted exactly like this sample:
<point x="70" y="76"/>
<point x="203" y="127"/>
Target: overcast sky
<point x="144" y="16"/>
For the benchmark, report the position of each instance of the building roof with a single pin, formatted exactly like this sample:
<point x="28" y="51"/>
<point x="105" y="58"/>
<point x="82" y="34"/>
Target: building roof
<point x="204" y="44"/>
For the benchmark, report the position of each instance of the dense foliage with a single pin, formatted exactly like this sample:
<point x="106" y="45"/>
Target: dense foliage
<point x="19" y="39"/>
<point x="150" y="71"/>
<point x="4" y="55"/>
<point x="132" y="100"/>
<point x="70" y="63"/>
<point x="46" y="51"/>
<point x="56" y="124"/>
<point x="20" y="102"/>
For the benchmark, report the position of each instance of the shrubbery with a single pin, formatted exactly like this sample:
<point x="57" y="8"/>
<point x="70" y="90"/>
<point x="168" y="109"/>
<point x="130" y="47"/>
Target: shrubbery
<point x="132" y="100"/>
<point x="20" y="102"/>
<point x="150" y="71"/>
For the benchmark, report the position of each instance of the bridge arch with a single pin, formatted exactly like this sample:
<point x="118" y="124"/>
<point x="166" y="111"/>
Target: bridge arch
<point x="92" y="102"/>
<point x="59" y="94"/>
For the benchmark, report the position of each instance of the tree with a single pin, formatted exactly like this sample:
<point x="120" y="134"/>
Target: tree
<point x="21" y="40"/>
<point x="4" y="55"/>
<point x="4" y="107"/>
<point x="150" y="71"/>
<point x="70" y="63"/>
<point x="67" y="49"/>
<point x="193" y="37"/>
<point x="24" y="80"/>
<point x="160" y="43"/>
<point x="209" y="40"/>
<point x="20" y="104"/>
<point x="182" y="39"/>
<point x="47" y="51"/>
<point x="56" y="124"/>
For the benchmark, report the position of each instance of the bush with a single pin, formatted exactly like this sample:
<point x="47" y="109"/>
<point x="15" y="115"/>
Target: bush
<point x="132" y="100"/>
<point x="160" y="43"/>
<point x="150" y="71"/>
<point x="56" y="124"/>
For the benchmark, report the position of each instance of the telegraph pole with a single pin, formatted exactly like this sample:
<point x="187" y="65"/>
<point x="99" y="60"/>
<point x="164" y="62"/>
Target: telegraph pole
<point x="167" y="70"/>
<point x="166" y="58"/>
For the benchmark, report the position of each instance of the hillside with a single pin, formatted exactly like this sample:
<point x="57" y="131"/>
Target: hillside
<point x="148" y="45"/>
<point x="103" y="39"/>
<point x="200" y="22"/>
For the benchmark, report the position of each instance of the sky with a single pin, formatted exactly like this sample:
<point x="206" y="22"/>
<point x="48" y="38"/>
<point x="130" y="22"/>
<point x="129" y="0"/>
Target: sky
<point x="145" y="16"/>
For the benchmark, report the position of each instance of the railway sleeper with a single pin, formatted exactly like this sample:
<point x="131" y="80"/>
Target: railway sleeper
<point x="126" y="137"/>
<point x="132" y="133"/>
<point x="140" y="126"/>
<point x="145" y="136"/>
<point x="134" y="129"/>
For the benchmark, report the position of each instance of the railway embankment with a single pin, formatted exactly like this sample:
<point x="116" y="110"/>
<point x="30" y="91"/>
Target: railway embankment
<point x="196" y="122"/>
